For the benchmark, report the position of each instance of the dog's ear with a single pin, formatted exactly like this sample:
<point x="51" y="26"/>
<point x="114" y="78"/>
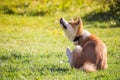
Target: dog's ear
<point x="78" y="21"/>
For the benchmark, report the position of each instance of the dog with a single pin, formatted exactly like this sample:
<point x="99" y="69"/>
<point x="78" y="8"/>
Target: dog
<point x="90" y="53"/>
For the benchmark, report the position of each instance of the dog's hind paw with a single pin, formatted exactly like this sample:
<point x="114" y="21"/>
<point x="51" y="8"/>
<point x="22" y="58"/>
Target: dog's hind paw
<point x="69" y="55"/>
<point x="69" y="52"/>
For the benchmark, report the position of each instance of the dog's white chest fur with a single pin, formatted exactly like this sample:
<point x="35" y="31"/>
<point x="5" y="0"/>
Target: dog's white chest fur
<point x="85" y="34"/>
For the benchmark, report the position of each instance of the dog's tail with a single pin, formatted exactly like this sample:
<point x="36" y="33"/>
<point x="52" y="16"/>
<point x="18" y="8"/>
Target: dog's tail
<point x="89" y="67"/>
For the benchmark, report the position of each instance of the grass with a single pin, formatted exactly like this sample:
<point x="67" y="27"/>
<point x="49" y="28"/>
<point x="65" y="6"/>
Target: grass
<point x="33" y="48"/>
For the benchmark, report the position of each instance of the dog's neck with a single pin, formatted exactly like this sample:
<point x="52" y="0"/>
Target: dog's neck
<point x="81" y="37"/>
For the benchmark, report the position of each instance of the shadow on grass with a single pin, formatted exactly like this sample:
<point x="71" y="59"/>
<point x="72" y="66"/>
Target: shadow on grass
<point x="7" y="10"/>
<point x="59" y="69"/>
<point x="11" y="55"/>
<point x="52" y="69"/>
<point x="107" y="16"/>
<point x="16" y="56"/>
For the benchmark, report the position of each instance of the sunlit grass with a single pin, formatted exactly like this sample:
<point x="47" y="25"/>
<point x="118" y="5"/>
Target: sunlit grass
<point x="34" y="48"/>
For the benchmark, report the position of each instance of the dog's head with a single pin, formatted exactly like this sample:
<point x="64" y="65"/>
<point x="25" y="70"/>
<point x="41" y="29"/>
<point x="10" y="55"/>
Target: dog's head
<point x="72" y="27"/>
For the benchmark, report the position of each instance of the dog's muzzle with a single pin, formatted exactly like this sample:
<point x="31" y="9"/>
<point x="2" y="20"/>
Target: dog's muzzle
<point x="63" y="23"/>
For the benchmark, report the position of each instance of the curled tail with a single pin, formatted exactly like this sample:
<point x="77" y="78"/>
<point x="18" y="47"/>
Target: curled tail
<point x="89" y="67"/>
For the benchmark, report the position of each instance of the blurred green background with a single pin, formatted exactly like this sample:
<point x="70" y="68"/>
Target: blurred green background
<point x="89" y="10"/>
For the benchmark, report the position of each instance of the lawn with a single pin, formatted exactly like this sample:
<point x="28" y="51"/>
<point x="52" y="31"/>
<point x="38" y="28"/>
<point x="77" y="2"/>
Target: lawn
<point x="33" y="48"/>
<point x="33" y="44"/>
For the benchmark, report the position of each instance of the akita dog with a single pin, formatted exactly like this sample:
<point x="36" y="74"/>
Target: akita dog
<point x="90" y="53"/>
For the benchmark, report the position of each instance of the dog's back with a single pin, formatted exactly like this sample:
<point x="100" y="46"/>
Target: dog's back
<point x="93" y="55"/>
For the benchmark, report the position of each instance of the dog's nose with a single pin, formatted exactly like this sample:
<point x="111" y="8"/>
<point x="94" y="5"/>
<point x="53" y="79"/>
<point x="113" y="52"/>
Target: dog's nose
<point x="61" y="20"/>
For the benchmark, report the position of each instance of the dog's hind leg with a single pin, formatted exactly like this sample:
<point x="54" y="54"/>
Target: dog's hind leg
<point x="76" y="56"/>
<point x="78" y="49"/>
<point x="69" y="55"/>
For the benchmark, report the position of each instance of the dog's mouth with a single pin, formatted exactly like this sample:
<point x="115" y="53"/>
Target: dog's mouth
<point x="63" y="23"/>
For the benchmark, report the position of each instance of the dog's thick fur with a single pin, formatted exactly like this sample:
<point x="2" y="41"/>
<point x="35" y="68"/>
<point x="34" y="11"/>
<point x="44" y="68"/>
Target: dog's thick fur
<point x="90" y="53"/>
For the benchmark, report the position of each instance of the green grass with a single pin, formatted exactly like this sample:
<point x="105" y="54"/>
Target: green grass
<point x="33" y="48"/>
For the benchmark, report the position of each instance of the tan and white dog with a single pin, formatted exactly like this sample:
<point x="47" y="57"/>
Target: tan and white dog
<point x="90" y="53"/>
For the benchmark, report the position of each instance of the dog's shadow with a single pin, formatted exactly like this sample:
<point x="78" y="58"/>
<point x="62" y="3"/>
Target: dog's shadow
<point x="59" y="69"/>
<point x="52" y="69"/>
